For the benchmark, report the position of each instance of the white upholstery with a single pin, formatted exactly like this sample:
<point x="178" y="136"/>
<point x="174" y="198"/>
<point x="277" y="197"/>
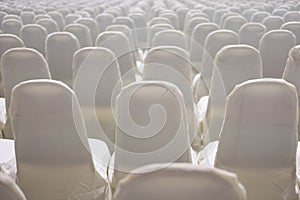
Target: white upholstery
<point x="159" y="20"/>
<point x="49" y="24"/>
<point x="72" y="18"/>
<point x="151" y="127"/>
<point x="234" y="23"/>
<point x="104" y="20"/>
<point x="234" y="64"/>
<point x="294" y="27"/>
<point x="96" y="82"/>
<point x="118" y="43"/>
<point x="273" y="22"/>
<point x="17" y="65"/>
<point x="92" y="25"/>
<point x="259" y="138"/>
<point x="291" y="71"/>
<point x="170" y="38"/>
<point x="58" y="165"/>
<point x="180" y="181"/>
<point x="34" y="36"/>
<point x="155" y="29"/>
<point x="250" y="33"/>
<point x="11" y="26"/>
<point x="193" y="23"/>
<point x="198" y="37"/>
<point x="58" y="18"/>
<point x="259" y="16"/>
<point x="27" y="17"/>
<point x="274" y="47"/>
<point x="82" y="33"/>
<point x="9" y="190"/>
<point x="213" y="43"/>
<point x="292" y="16"/>
<point x="60" y="47"/>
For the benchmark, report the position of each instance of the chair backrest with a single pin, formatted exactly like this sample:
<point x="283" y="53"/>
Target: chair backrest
<point x="180" y="181"/>
<point x="294" y="27"/>
<point x="198" y="37"/>
<point x="234" y="23"/>
<point x="11" y="26"/>
<point x="273" y="22"/>
<point x="58" y="18"/>
<point x="96" y="82"/>
<point x="155" y="29"/>
<point x="170" y="38"/>
<point x="8" y="41"/>
<point x="59" y="160"/>
<point x="250" y="33"/>
<point x="60" y="47"/>
<point x="291" y="71"/>
<point x="193" y="23"/>
<point x="124" y="21"/>
<point x="258" y="139"/>
<point x="279" y="12"/>
<point x="173" y="19"/>
<point x="159" y="20"/>
<point x="34" y="36"/>
<point x="141" y="140"/>
<point x="104" y="20"/>
<point x="27" y="17"/>
<point x="9" y="190"/>
<point x="72" y="18"/>
<point x="92" y="25"/>
<point x="82" y="33"/>
<point x="213" y="43"/>
<point x="292" y="16"/>
<point x="259" y="16"/>
<point x="274" y="47"/>
<point x="49" y="24"/>
<point x="234" y="64"/>
<point x="118" y="43"/>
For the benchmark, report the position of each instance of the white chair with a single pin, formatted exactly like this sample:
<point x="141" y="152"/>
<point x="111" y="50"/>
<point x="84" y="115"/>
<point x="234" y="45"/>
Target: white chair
<point x="27" y="17"/>
<point x="248" y="13"/>
<point x="155" y="29"/>
<point x="11" y="26"/>
<point x="234" y="23"/>
<point x="60" y="47"/>
<point x="72" y="18"/>
<point x="8" y="41"/>
<point x="250" y="33"/>
<point x="118" y="43"/>
<point x="34" y="36"/>
<point x="292" y="16"/>
<point x="58" y="164"/>
<point x="104" y="20"/>
<point x="159" y="20"/>
<point x="170" y="38"/>
<point x="233" y="65"/>
<point x="193" y="23"/>
<point x="259" y="16"/>
<point x="173" y="19"/>
<point x="49" y="24"/>
<point x="279" y="12"/>
<point x="258" y="140"/>
<point x="151" y="127"/>
<point x="9" y="190"/>
<point x="141" y="29"/>
<point x="274" y="47"/>
<point x="291" y="71"/>
<point x="294" y="27"/>
<point x="58" y="18"/>
<point x="124" y="21"/>
<point x="82" y="33"/>
<point x="198" y="37"/>
<point x="273" y="22"/>
<point x="213" y="43"/>
<point x="96" y="82"/>
<point x="179" y="181"/>
<point x="40" y="16"/>
<point x="17" y="65"/>
<point x="92" y="25"/>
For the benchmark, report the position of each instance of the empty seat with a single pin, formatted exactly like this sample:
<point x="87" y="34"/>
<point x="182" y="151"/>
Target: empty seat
<point x="155" y="29"/>
<point x="233" y="65"/>
<point x="140" y="29"/>
<point x="17" y="65"/>
<point x="273" y="22"/>
<point x="96" y="82"/>
<point x="118" y="43"/>
<point x="92" y="25"/>
<point x="198" y="37"/>
<point x="41" y="16"/>
<point x="34" y="36"/>
<point x="82" y="33"/>
<point x="179" y="181"/>
<point x="27" y="17"/>
<point x="49" y="24"/>
<point x="250" y="33"/>
<point x="72" y="18"/>
<point x="170" y="38"/>
<point x="234" y="23"/>
<point x="8" y="41"/>
<point x="213" y="43"/>
<point x="193" y="23"/>
<point x="60" y="47"/>
<point x="11" y="26"/>
<point x="274" y="48"/>
<point x="291" y="71"/>
<point x="58" y="18"/>
<point x="294" y="27"/>
<point x="9" y="189"/>
<point x="259" y="16"/>
<point x="141" y="140"/>
<point x="159" y="20"/>
<point x="258" y="139"/>
<point x="58" y="164"/>
<point x="173" y="19"/>
<point x="104" y="20"/>
<point x="292" y="16"/>
<point x="124" y="21"/>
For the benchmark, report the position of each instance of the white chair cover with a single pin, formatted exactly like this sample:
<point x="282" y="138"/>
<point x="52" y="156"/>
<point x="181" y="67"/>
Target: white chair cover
<point x="250" y="33"/>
